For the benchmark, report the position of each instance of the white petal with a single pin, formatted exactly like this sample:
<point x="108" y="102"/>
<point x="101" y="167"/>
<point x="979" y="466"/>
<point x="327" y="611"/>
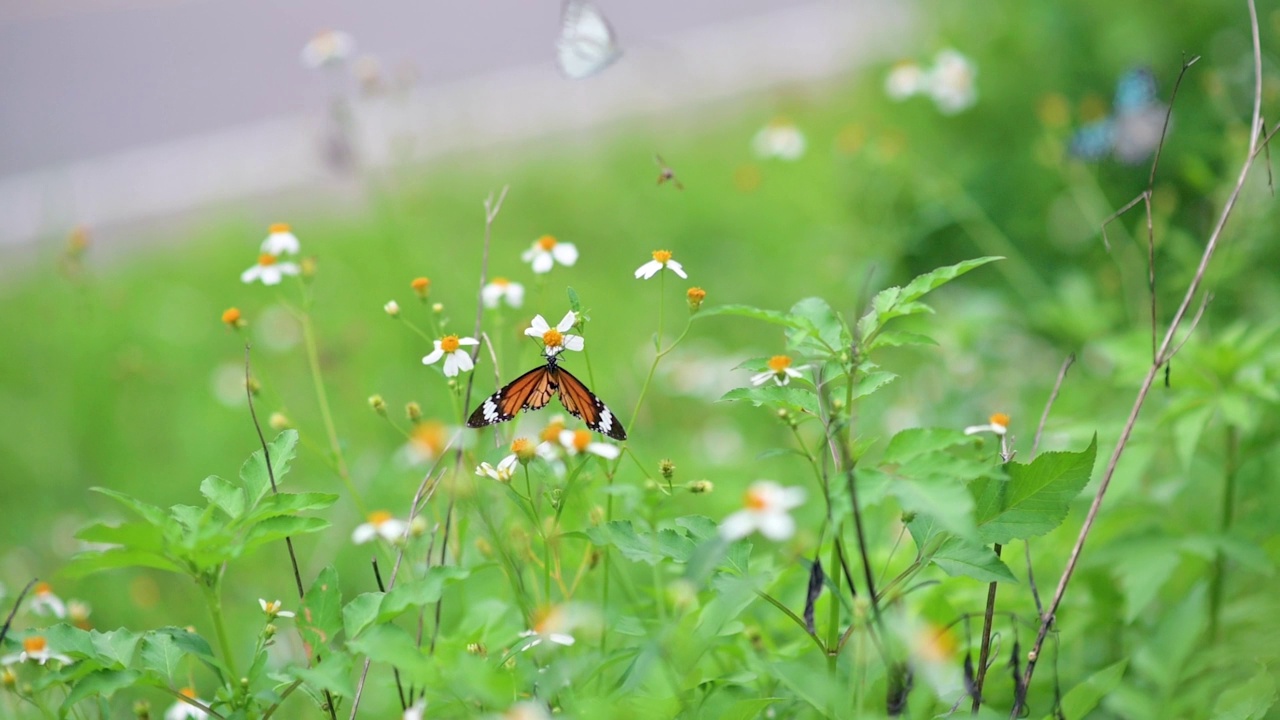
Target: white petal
<point x="270" y="275"/>
<point x="530" y="254"/>
<point x="542" y="262"/>
<point x="538" y="327"/>
<point x="560" y="638"/>
<point x="781" y="379"/>
<point x="737" y="526"/>
<point x="793" y="372"/>
<point x="263" y="604"/>
<point x="392" y="529"/>
<point x="287" y="268"/>
<point x="508" y="463"/>
<point x="281" y="243"/>
<point x="761" y="378"/>
<point x="565" y="253"/>
<point x="975" y="429"/>
<point x="486" y="470"/>
<point x="285" y="613"/>
<point x="567" y="321"/>
<point x="604" y="450"/>
<point x="648" y="269"/>
<point x="451" y="364"/>
<point x="515" y="295"/>
<point x="463" y="361"/>
<point x="364" y="533"/>
<point x="676" y="268"/>
<point x="776" y="525"/>
<point x="566" y="441"/>
<point x="468" y="341"/>
<point x="251" y="274"/>
<point x="434" y="355"/>
<point x="490" y="295"/>
<point x="574" y="342"/>
<point x="788" y="498"/>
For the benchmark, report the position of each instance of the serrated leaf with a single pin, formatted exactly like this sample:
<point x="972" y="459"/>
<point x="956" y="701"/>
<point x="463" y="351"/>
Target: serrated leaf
<point x="700" y="527"/>
<point x="934" y="279"/>
<point x="361" y="612"/>
<point x="674" y="545"/>
<point x="776" y="396"/>
<point x="575" y="303"/>
<point x="254" y="475"/>
<point x="393" y="645"/>
<point x="162" y="656"/>
<point x="1142" y="569"/>
<point x="823" y="324"/>
<point x="115" y="648"/>
<point x="223" y="494"/>
<point x="944" y="499"/>
<point x="289" y="504"/>
<point x="150" y="513"/>
<point x="1249" y="700"/>
<point x="1035" y="498"/>
<point x="333" y="673"/>
<point x="914" y="442"/>
<point x="89" y="562"/>
<point x="896" y="302"/>
<point x="1083" y="698"/>
<point x="868" y="384"/>
<point x="420" y="591"/>
<point x="957" y="556"/>
<point x="281" y="527"/>
<point x="621" y="534"/>
<point x="192" y="645"/>
<point x="99" y="682"/>
<point x="321" y="616"/>
<point x="900" y="338"/>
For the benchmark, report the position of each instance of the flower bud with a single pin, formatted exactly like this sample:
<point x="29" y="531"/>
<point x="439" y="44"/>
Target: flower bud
<point x="421" y="287"/>
<point x="308" y="267"/>
<point x="413" y="411"/>
<point x="378" y="404"/>
<point x="478" y="649"/>
<point x="437" y="308"/>
<point x="279" y="421"/>
<point x="141" y="709"/>
<point x="666" y="468"/>
<point x="695" y="296"/>
<point x="524" y="449"/>
<point x="701" y="487"/>
<point x="269" y="631"/>
<point x="232" y="318"/>
<point x="597" y="515"/>
<point x="392" y="308"/>
<point x="253" y="386"/>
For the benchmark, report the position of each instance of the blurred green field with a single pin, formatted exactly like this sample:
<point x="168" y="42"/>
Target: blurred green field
<point x="111" y="378"/>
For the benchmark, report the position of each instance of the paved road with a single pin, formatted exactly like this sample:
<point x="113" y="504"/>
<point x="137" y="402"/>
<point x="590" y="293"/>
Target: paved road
<point x="103" y="101"/>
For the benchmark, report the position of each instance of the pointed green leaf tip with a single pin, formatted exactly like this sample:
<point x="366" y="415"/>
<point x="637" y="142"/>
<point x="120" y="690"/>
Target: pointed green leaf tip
<point x="1034" y="498"/>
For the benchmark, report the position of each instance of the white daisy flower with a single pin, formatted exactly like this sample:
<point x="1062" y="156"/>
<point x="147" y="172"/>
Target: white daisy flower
<point x="392" y="308"/>
<point x="555" y="339"/>
<point x="661" y="259"/>
<point x="952" y="83"/>
<point x="456" y="360"/>
<point x="44" y="602"/>
<point x="269" y="270"/>
<point x="998" y="424"/>
<point x="427" y="441"/>
<point x="381" y="524"/>
<point x="416" y="711"/>
<point x="183" y="711"/>
<point x="503" y="473"/>
<point x="272" y="609"/>
<point x="327" y="48"/>
<point x="500" y="289"/>
<point x="553" y="625"/>
<point x="583" y="441"/>
<point x="766" y="507"/>
<point x="779" y="139"/>
<point x="547" y="251"/>
<point x="35" y="648"/>
<point x="904" y="80"/>
<point x="779" y="369"/>
<point x="280" y="241"/>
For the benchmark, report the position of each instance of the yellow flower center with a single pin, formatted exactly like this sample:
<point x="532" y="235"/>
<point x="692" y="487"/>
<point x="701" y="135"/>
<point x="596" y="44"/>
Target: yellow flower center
<point x="231" y="316"/>
<point x="501" y="282"/>
<point x="779" y="363"/>
<point x="34" y="644"/>
<point x="581" y="439"/>
<point x="696" y="294"/>
<point x="662" y="256"/>
<point x="377" y="517"/>
<point x="551" y="433"/>
<point x="936" y="645"/>
<point x="546" y="242"/>
<point x="755" y="500"/>
<point x="520" y="445"/>
<point x="429" y="437"/>
<point x="188" y="692"/>
<point x="279" y="228"/>
<point x="420" y="283"/>
<point x="449" y="343"/>
<point x="43" y="588"/>
<point x="552" y="338"/>
<point x="266" y="259"/>
<point x="1000" y="419"/>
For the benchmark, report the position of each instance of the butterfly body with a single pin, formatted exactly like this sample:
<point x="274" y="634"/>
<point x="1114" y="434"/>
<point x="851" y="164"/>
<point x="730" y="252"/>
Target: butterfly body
<point x="534" y="389"/>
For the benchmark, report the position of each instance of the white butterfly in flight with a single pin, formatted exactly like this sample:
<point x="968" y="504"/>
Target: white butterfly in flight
<point x="587" y="43"/>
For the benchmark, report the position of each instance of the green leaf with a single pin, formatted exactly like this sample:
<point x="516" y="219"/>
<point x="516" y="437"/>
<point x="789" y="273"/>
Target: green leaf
<point x="934" y="279"/>
<point x="150" y="513"/>
<point x="321" y="615"/>
<point x="957" y="556"/>
<point x="944" y="499"/>
<point x="675" y="546"/>
<point x="575" y="303"/>
<point x="361" y="612"/>
<point x="1249" y="700"/>
<point x="223" y="494"/>
<point x="1035" y="498"/>
<point x="900" y="338"/>
<point x="789" y="397"/>
<point x="1083" y="698"/>
<point x="896" y="302"/>
<point x="87" y="563"/>
<point x="420" y="591"/>
<point x="825" y="333"/>
<point x="333" y="673"/>
<point x="257" y="482"/>
<point x="769" y="316"/>
<point x="912" y="443"/>
<point x="162" y="656"/>
<point x="748" y="709"/>
<point x="868" y="384"/>
<point x="115" y="648"/>
<point x="281" y="527"/>
<point x="393" y="645"/>
<point x="1141" y="566"/>
<point x="99" y="682"/>
<point x="700" y="527"/>
<point x="290" y="504"/>
<point x="192" y="645"/>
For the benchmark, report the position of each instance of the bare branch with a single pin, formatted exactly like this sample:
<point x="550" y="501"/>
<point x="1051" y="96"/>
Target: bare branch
<point x="1053" y="396"/>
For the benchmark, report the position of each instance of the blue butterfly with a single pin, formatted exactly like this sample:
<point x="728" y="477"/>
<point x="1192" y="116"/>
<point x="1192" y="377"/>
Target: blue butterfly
<point x="1132" y="132"/>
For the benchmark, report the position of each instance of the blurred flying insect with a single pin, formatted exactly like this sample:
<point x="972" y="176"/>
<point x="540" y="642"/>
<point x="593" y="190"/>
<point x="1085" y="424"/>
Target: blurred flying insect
<point x="587" y="43"/>
<point x="1133" y="130"/>
<point x="666" y="174"/>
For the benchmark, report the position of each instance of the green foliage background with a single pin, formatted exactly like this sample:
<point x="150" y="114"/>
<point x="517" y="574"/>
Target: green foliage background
<point x="105" y="378"/>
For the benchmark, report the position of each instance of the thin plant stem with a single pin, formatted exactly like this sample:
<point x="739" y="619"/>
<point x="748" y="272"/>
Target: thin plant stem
<point x="985" y="648"/>
<point x="326" y="415"/>
<point x="8" y="621"/>
<point x="214" y="601"/>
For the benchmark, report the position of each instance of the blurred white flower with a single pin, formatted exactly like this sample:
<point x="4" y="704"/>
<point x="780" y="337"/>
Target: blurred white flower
<point x="547" y="251"/>
<point x="35" y="648"/>
<point x="272" y="609"/>
<point x="953" y="82"/>
<point x="183" y="711"/>
<point x="661" y="259"/>
<point x="551" y="625"/>
<point x="45" y="602"/>
<point x="555" y="339"/>
<point x="327" y="48"/>
<point x="526" y="710"/>
<point x="456" y="360"/>
<point x="767" y="507"/>
<point x="392" y="308"/>
<point x="905" y="80"/>
<point x="582" y="441"/>
<point x="427" y="441"/>
<point x="381" y="524"/>
<point x="998" y="424"/>
<point x="779" y="139"/>
<point x="780" y="371"/>
<point x="416" y="711"/>
<point x="280" y="241"/>
<point x="269" y="270"/>
<point x="500" y="289"/>
<point x="503" y="473"/>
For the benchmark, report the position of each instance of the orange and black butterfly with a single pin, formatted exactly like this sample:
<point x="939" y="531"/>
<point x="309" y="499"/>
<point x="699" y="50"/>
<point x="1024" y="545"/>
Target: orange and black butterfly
<point x="533" y="390"/>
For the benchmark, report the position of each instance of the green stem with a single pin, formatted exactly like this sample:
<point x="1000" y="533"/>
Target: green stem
<point x="1217" y="581"/>
<point x="313" y="357"/>
<point x="214" y="601"/>
<point x="833" y="616"/>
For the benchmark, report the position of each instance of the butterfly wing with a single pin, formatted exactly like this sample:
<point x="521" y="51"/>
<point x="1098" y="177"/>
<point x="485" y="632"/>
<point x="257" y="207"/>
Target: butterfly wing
<point x="582" y="403"/>
<point x="1136" y="92"/>
<point x="530" y="391"/>
<point x="1093" y="141"/>
<point x="587" y="43"/>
